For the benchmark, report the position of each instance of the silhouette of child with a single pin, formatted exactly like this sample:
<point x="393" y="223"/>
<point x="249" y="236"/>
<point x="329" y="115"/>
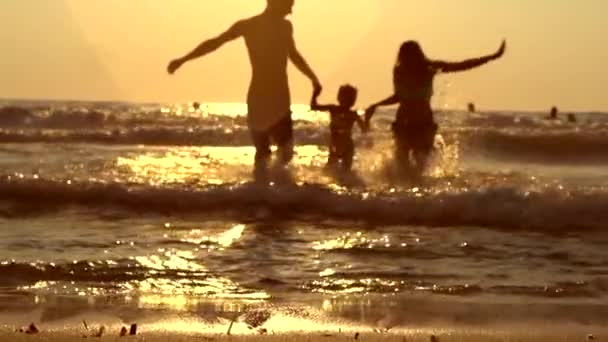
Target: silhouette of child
<point x="342" y="119"/>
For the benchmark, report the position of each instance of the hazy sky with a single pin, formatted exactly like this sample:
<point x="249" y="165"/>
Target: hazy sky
<point x="118" y="49"/>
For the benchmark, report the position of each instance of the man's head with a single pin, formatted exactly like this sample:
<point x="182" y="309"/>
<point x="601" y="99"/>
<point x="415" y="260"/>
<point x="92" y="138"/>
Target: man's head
<point x="280" y="7"/>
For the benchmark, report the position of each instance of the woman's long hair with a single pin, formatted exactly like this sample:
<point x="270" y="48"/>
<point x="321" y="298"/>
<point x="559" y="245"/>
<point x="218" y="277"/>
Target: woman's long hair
<point x="412" y="65"/>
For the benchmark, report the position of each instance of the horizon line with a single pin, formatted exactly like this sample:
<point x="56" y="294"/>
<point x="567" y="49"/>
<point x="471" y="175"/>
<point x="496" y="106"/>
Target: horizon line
<point x="438" y="109"/>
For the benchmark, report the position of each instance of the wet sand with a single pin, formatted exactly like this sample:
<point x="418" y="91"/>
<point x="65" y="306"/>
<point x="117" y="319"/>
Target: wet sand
<point x="445" y="336"/>
<point x="65" y="322"/>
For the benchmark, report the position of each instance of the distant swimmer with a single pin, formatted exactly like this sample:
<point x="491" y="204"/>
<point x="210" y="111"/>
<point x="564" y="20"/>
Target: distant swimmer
<point x="571" y="118"/>
<point x="414" y="127"/>
<point x="471" y="107"/>
<point x="270" y="44"/>
<point x="553" y="114"/>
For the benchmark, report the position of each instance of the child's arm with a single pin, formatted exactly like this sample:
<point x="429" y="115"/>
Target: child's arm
<point x="314" y="105"/>
<point x="360" y="122"/>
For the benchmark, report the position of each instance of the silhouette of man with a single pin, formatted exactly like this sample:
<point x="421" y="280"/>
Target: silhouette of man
<point x="270" y="43"/>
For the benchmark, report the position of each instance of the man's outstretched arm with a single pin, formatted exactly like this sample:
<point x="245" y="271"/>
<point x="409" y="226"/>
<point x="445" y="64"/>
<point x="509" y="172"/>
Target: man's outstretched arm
<point x="207" y="46"/>
<point x="298" y="60"/>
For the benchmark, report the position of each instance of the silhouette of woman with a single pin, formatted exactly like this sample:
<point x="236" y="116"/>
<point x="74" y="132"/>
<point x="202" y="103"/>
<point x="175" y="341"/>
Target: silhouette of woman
<point x="414" y="128"/>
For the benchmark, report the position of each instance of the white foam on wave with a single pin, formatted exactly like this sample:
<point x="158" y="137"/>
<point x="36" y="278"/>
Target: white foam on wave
<point x="500" y="206"/>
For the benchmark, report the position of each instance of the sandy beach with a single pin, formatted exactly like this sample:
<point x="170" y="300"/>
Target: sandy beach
<point x="532" y="334"/>
<point x="187" y="328"/>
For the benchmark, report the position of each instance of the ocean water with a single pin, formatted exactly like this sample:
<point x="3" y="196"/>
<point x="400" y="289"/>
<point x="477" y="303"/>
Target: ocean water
<point x="151" y="208"/>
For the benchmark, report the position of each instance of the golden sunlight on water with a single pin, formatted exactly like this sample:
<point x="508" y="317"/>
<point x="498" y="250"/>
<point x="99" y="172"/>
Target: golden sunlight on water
<point x="234" y="110"/>
<point x="332" y="283"/>
<point x="218" y="165"/>
<point x="212" y="164"/>
<point x="204" y="165"/>
<point x="185" y="164"/>
<point x="356" y="240"/>
<point x="227" y="238"/>
<point x="223" y="240"/>
<point x="192" y="278"/>
<point x="344" y="242"/>
<point x="175" y="278"/>
<point x="170" y="260"/>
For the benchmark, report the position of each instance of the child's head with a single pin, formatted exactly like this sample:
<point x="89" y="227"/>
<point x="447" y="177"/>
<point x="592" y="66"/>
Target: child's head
<point x="347" y="95"/>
